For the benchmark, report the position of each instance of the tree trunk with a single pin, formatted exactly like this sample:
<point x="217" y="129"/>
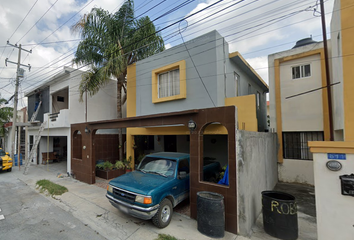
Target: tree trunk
<point x="119" y="115"/>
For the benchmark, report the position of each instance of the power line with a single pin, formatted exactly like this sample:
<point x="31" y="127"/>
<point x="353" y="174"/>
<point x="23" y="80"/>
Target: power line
<point x="63" y="23"/>
<point x="196" y="69"/>
<point x="38" y="20"/>
<point x="23" y="20"/>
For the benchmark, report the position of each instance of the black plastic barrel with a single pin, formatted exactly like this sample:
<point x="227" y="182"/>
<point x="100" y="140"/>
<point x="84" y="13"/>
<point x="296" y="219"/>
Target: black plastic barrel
<point x="211" y="214"/>
<point x="280" y="215"/>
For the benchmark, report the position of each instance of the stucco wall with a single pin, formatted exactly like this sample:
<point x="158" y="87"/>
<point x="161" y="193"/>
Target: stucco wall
<point x="337" y="69"/>
<point x="334" y="211"/>
<point x="256" y="171"/>
<point x="299" y="171"/>
<point x="203" y="51"/>
<point x="297" y="107"/>
<point x="305" y="112"/>
<point x="210" y="54"/>
<point x="246" y="110"/>
<point x="101" y="106"/>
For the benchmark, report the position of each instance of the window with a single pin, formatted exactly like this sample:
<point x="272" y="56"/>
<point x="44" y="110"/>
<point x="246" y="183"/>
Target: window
<point x="258" y="99"/>
<point x="301" y="71"/>
<point x="169" y="82"/>
<point x="295" y="144"/>
<point x="237" y="82"/>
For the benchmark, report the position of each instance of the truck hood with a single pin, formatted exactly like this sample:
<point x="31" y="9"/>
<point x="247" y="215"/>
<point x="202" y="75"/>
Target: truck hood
<point x="6" y="158"/>
<point x="139" y="182"/>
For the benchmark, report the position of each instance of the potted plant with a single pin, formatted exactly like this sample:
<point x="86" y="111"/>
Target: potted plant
<point x="119" y="164"/>
<point x="127" y="164"/>
<point x="107" y="170"/>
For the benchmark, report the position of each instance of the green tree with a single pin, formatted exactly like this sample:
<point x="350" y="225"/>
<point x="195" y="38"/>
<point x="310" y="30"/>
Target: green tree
<point x="5" y="115"/>
<point x="111" y="42"/>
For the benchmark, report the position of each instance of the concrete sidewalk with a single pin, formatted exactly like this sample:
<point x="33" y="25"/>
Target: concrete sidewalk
<point x="89" y="204"/>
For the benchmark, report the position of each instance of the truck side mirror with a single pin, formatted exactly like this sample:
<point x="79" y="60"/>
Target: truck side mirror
<point x="182" y="175"/>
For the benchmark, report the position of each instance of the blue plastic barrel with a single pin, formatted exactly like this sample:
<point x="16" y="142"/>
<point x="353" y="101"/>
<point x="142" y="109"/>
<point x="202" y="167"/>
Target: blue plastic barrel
<point x="17" y="158"/>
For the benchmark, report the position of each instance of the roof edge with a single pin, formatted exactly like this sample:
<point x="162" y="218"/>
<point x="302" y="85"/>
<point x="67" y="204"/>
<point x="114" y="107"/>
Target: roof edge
<point x="237" y="54"/>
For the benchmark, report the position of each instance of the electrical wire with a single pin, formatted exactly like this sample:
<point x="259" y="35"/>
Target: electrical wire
<point x="23" y="20"/>
<point x="63" y="24"/>
<point x="37" y="21"/>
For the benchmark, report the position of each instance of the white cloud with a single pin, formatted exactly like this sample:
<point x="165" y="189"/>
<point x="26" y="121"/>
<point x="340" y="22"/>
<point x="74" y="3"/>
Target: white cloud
<point x="12" y="13"/>
<point x="260" y="65"/>
<point x="168" y="45"/>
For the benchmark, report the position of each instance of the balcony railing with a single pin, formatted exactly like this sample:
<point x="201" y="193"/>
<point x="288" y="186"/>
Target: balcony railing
<point x="58" y="120"/>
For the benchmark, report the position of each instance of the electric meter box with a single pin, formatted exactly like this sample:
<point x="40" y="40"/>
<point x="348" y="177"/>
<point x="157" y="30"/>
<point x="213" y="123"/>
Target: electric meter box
<point x="347" y="184"/>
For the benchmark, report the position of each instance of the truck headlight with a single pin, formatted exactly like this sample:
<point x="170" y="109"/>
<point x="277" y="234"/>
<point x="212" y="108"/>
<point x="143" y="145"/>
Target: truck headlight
<point x="143" y="199"/>
<point x="109" y="188"/>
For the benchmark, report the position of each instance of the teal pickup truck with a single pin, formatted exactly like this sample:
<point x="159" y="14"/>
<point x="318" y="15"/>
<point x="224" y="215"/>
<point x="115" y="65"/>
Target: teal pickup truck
<point x="159" y="183"/>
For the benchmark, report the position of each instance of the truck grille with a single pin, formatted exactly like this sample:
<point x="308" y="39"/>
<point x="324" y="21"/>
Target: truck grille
<point x="124" y="195"/>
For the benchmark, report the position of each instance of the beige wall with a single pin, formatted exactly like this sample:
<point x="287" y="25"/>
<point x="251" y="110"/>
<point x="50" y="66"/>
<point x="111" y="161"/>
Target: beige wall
<point x="337" y="72"/>
<point x="299" y="171"/>
<point x="335" y="212"/>
<point x="285" y="76"/>
<point x="301" y="113"/>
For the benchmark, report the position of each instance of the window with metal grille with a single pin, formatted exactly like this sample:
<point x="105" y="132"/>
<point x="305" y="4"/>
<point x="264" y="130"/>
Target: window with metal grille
<point x="295" y="144"/>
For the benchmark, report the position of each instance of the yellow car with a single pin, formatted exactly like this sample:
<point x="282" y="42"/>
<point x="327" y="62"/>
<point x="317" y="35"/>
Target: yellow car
<point x="5" y="161"/>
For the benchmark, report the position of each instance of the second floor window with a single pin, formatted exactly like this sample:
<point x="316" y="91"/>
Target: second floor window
<point x="301" y="71"/>
<point x="168" y="83"/>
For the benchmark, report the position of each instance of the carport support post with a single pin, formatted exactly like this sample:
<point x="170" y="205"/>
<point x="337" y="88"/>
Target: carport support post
<point x="91" y="154"/>
<point x="194" y="155"/>
<point x="129" y="147"/>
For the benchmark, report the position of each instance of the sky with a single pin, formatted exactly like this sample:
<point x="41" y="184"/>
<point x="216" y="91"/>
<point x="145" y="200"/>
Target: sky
<point x="255" y="28"/>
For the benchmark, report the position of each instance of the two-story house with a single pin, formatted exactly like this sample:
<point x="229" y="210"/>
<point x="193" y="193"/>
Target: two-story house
<point x="193" y="98"/>
<point x="298" y="119"/>
<point x="299" y="104"/>
<point x="59" y="104"/>
<point x="197" y="74"/>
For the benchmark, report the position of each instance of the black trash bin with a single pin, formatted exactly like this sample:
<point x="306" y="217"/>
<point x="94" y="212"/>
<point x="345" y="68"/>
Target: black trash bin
<point x="211" y="214"/>
<point x="280" y="215"/>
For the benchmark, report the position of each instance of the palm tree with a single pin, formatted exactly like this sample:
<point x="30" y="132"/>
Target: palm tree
<point x="111" y="42"/>
<point x="6" y="114"/>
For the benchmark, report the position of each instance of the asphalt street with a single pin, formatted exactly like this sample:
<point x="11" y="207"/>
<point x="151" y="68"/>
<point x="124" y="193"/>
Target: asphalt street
<point x="26" y="214"/>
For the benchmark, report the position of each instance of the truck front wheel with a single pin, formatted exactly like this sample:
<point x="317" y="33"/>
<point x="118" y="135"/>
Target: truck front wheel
<point x="163" y="216"/>
<point x="9" y="170"/>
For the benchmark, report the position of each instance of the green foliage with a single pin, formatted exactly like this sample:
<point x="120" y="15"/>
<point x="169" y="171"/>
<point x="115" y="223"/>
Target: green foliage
<point x="6" y="114"/>
<point x="124" y="164"/>
<point x="52" y="188"/>
<point x="111" y="42"/>
<point x="127" y="162"/>
<point x="107" y="165"/>
<point x="165" y="237"/>
<point x="119" y="165"/>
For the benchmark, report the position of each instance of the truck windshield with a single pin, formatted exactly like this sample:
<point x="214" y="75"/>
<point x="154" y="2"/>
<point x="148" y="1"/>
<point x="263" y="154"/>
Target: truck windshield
<point x="2" y="153"/>
<point x="161" y="166"/>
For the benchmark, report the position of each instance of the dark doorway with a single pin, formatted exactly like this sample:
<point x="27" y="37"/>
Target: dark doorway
<point x="170" y="142"/>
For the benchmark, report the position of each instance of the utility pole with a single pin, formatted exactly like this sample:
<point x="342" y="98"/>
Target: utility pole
<point x="18" y="75"/>
<point x="325" y="48"/>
